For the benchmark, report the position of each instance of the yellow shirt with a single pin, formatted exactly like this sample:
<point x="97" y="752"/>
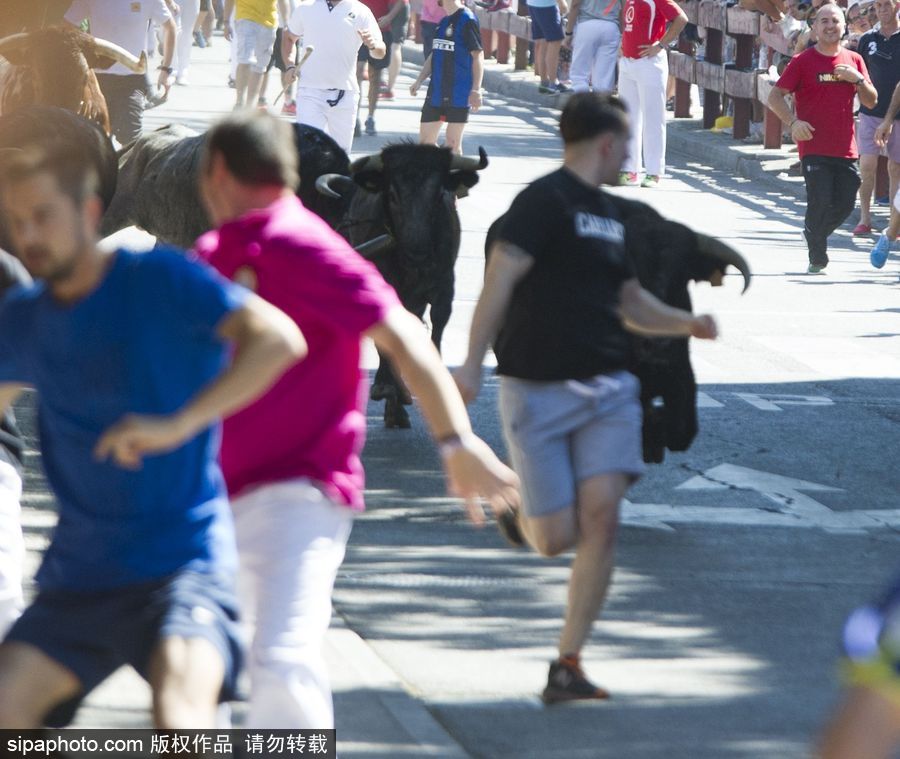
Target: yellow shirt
<point x="262" y="12"/>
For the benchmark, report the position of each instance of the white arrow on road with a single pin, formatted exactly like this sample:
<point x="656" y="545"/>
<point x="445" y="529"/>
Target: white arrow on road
<point x="793" y="507"/>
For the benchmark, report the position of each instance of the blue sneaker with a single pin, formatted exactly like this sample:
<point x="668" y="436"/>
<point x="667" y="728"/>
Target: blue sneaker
<point x="880" y="252"/>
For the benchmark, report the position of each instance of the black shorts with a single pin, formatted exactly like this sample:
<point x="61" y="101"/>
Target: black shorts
<point x="275" y="60"/>
<point x="377" y="63"/>
<point x="449" y="114"/>
<point x="93" y="634"/>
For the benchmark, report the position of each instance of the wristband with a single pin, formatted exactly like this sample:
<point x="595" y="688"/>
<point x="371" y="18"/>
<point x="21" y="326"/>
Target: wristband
<point x="569" y="34"/>
<point x="167" y="69"/>
<point x="449" y="444"/>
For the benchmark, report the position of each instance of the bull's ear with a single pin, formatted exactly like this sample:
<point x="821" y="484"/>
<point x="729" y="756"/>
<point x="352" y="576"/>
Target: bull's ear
<point x="460" y="182"/>
<point x="371" y="181"/>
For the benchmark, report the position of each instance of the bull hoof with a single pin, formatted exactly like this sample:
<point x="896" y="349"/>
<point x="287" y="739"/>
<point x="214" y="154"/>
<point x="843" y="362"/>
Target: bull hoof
<point x="405" y="397"/>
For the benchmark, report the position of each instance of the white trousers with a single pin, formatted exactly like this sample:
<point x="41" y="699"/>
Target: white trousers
<point x="12" y="546"/>
<point x="595" y="48"/>
<point x="642" y="85"/>
<point x="314" y="107"/>
<point x="291" y="540"/>
<point x="190" y="9"/>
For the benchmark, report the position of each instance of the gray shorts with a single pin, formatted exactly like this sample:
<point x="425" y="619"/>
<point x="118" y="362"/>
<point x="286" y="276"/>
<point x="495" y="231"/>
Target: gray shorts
<point x="561" y="433"/>
<point x="865" y="138"/>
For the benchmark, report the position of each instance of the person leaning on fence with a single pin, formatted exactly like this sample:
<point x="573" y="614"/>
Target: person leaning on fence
<point x="593" y="33"/>
<point x="824" y="80"/>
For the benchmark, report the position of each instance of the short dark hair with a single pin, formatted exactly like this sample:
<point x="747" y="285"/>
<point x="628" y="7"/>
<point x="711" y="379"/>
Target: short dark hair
<point x="75" y="174"/>
<point x="257" y="148"/>
<point x="589" y="114"/>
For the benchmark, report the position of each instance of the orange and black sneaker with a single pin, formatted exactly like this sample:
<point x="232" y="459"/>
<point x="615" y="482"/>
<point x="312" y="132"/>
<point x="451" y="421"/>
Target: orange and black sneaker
<point x="567" y="682"/>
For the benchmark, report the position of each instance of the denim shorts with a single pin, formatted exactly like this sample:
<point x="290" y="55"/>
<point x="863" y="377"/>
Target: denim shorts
<point x="546" y="23"/>
<point x="562" y="433"/>
<point x="93" y="634"/>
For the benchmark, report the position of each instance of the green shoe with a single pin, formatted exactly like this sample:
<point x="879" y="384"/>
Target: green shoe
<point x="651" y="180"/>
<point x="629" y="178"/>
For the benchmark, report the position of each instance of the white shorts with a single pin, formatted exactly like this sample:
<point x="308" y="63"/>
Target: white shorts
<point x="332" y="111"/>
<point x="254" y="44"/>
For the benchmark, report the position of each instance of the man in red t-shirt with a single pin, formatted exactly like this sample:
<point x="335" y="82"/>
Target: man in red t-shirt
<point x="385" y="11"/>
<point x="648" y="28"/>
<point x="824" y="80"/>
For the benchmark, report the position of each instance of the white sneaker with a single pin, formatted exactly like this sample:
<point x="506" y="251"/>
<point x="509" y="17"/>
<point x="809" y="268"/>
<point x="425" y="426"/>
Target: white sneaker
<point x="182" y="81"/>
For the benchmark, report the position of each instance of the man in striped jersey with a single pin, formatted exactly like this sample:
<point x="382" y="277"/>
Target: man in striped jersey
<point x="456" y="66"/>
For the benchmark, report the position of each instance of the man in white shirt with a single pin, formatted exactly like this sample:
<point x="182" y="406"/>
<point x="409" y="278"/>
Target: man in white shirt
<point x="327" y="91"/>
<point x="125" y="24"/>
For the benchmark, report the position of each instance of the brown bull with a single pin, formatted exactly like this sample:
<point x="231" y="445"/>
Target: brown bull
<point x="55" y="66"/>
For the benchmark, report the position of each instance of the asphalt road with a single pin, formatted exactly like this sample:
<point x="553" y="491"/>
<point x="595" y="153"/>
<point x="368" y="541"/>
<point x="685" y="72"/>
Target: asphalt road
<point x="737" y="560"/>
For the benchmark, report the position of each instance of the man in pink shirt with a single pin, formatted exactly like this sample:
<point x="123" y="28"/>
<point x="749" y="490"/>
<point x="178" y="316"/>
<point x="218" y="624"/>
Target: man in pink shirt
<point x="291" y="460"/>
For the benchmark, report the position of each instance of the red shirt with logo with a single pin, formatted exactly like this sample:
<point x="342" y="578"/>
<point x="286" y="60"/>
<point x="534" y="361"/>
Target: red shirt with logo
<point x="645" y="23"/>
<point x="824" y="101"/>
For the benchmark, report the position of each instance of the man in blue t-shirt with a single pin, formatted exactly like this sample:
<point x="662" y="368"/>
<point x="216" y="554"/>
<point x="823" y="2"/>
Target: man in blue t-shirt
<point x="128" y="353"/>
<point x="456" y="66"/>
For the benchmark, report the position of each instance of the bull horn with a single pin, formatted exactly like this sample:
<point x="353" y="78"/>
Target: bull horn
<point x="14" y="43"/>
<point x="372" y="162"/>
<point x="120" y="55"/>
<point x="371" y="248"/>
<point x="712" y="246"/>
<point x="467" y="163"/>
<point x="323" y="184"/>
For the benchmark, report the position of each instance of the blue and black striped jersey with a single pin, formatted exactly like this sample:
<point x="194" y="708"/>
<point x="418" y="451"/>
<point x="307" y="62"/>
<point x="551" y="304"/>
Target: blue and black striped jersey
<point x="456" y="38"/>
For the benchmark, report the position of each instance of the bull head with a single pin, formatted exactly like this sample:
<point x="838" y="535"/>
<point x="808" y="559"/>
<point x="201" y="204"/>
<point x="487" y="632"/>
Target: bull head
<point x="368" y="172"/>
<point x="726" y="255"/>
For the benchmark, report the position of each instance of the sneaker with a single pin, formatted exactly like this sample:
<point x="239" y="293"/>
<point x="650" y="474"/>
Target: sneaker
<point x="815" y="269"/>
<point x="566" y="682"/>
<point x="545" y="88"/>
<point x="862" y="229"/>
<point x="628" y="178"/>
<point x="289" y="109"/>
<point x="561" y="88"/>
<point x="199" y="39"/>
<point x="357" y="130"/>
<point x="386" y="94"/>
<point x="651" y="180"/>
<point x="508" y="525"/>
<point x="370" y="127"/>
<point x="879" y="255"/>
<point x="182" y="81"/>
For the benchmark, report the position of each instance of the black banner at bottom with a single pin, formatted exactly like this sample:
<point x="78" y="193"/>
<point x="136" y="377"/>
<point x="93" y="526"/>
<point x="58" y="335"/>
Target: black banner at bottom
<point x="172" y="744"/>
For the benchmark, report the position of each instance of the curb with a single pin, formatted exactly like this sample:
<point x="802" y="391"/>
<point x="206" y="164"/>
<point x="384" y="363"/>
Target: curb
<point x="370" y="672"/>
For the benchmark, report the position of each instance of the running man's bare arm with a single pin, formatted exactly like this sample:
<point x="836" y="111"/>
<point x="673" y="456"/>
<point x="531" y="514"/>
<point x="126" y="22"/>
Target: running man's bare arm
<point x="472" y="468"/>
<point x="266" y="342"/>
<point x="507" y="265"/>
<point x="646" y="314"/>
<point x="423" y="75"/>
<point x="887" y="124"/>
<point x="477" y="76"/>
<point x="800" y="130"/>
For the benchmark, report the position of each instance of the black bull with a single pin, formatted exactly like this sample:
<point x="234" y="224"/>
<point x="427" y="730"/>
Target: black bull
<point x="666" y="256"/>
<point x="405" y="196"/>
<point x="158" y="182"/>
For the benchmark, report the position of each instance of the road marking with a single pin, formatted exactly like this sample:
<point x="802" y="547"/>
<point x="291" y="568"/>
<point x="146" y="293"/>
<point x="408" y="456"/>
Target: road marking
<point x="792" y="507"/>
<point x="774" y="401"/>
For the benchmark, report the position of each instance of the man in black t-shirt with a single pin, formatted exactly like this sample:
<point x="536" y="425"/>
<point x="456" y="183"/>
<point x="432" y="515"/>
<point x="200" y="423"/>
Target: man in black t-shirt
<point x="559" y="295"/>
<point x="12" y="547"/>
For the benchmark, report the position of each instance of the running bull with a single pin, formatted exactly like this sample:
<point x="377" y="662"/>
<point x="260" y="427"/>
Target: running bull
<point x="666" y="256"/>
<point x="403" y="208"/>
<point x="158" y="190"/>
